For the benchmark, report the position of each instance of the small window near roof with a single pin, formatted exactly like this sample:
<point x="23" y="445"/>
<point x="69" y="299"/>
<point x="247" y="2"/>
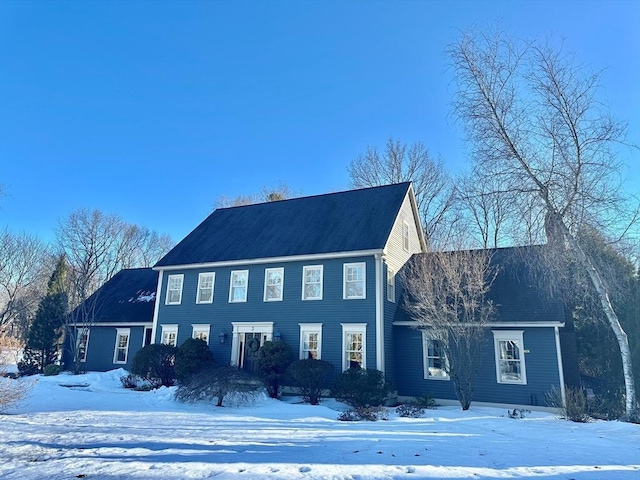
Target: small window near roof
<point x="405" y="236"/>
<point x="391" y="285"/>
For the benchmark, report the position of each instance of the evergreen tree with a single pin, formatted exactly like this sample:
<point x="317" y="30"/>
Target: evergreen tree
<point x="42" y="340"/>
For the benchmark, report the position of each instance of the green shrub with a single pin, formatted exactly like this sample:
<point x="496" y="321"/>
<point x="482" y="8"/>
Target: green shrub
<point x="155" y="364"/>
<point x="362" y="388"/>
<point x="410" y="410"/>
<point x="51" y="370"/>
<point x="425" y="401"/>
<point x="274" y="359"/>
<point x="26" y="368"/>
<point x="370" y="414"/>
<point x="311" y="376"/>
<point x="218" y="384"/>
<point x="193" y="356"/>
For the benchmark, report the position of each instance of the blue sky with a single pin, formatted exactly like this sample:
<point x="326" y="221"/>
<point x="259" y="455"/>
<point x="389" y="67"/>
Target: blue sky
<point x="152" y="110"/>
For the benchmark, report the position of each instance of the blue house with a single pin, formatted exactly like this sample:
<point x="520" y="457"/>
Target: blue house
<point x="319" y="273"/>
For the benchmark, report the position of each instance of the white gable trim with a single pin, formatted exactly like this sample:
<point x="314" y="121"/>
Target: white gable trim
<point x="112" y="324"/>
<point x="254" y="261"/>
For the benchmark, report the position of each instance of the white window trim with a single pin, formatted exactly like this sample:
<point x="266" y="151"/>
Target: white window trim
<point x="213" y="283"/>
<point x="169" y="329"/>
<point x="405" y="238"/>
<point x="122" y="332"/>
<point x="354" y="328"/>
<point x="506" y="335"/>
<point x="246" y="288"/>
<point x="266" y="276"/>
<point x="201" y="328"/>
<point x="364" y="280"/>
<point x="264" y="328"/>
<point x="310" y="328"/>
<point x="304" y="277"/>
<point x="391" y="282"/>
<point x="169" y="278"/>
<point x="427" y="337"/>
<point x="86" y="347"/>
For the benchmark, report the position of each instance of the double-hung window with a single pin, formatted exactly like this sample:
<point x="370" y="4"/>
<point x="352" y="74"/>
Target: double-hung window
<point x="354" y="351"/>
<point x="509" y="351"/>
<point x="310" y="340"/>
<point x="239" y="284"/>
<point x="273" y="284"/>
<point x="82" y="344"/>
<point x="436" y="365"/>
<point x="201" y="332"/>
<point x="312" y="282"/>
<point x="354" y="280"/>
<point x="391" y="285"/>
<point x="205" y="287"/>
<point x="174" y="289"/>
<point x="122" y="345"/>
<point x="170" y="335"/>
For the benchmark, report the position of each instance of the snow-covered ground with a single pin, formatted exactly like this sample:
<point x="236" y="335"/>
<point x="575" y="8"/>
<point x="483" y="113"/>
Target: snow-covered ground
<point x="87" y="426"/>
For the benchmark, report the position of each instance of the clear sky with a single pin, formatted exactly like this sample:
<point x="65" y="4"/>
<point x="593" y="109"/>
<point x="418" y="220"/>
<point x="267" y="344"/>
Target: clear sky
<point x="152" y="110"/>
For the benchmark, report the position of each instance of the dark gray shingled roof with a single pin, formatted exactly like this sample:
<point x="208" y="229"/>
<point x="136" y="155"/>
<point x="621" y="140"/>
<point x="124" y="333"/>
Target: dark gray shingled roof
<point x="128" y="297"/>
<point x="516" y="292"/>
<point x="335" y="222"/>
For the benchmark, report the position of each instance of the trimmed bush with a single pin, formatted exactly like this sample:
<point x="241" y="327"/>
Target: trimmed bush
<point x="311" y="376"/>
<point x="193" y="356"/>
<point x="51" y="370"/>
<point x="362" y="388"/>
<point x="370" y="414"/>
<point x="274" y="359"/>
<point x="218" y="384"/>
<point x="155" y="364"/>
<point x="410" y="410"/>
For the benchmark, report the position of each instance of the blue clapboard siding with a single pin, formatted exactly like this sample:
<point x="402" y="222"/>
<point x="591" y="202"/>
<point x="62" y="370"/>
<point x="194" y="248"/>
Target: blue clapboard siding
<point x="389" y="315"/>
<point x="331" y="311"/>
<point x="102" y="342"/>
<point x="541" y="367"/>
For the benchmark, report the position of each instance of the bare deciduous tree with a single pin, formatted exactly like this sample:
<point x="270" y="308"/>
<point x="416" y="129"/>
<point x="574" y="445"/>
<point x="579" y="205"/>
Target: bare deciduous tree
<point x="402" y="163"/>
<point x="267" y="194"/>
<point x="537" y="127"/>
<point x="446" y="294"/>
<point x="23" y="262"/>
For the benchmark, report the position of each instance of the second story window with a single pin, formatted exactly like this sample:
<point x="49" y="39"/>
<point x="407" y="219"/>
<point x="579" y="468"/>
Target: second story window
<point x="273" y="284"/>
<point x="174" y="289"/>
<point x="205" y="287"/>
<point x="405" y="236"/>
<point x="354" y="280"/>
<point x="312" y="282"/>
<point x="391" y="285"/>
<point x="238" y="288"/>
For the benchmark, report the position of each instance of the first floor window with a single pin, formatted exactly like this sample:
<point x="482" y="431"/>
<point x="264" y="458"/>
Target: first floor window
<point x="174" y="289"/>
<point x="273" y="283"/>
<point x="354" y="280"/>
<point x="312" y="282"/>
<point x="82" y="344"/>
<point x="238" y="289"/>
<point x="310" y="340"/>
<point x="436" y="365"/>
<point x="122" y="345"/>
<point x="205" y="287"/>
<point x="509" y="351"/>
<point x="201" y="332"/>
<point x="354" y="345"/>
<point x="170" y="335"/>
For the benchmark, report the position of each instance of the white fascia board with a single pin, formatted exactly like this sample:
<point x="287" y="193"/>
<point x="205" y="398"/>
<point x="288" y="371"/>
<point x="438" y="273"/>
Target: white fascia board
<point x="112" y="324"/>
<point x="256" y="261"/>
<point x="493" y="324"/>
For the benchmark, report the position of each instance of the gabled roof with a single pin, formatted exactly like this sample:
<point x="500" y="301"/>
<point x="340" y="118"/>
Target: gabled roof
<point x="350" y="221"/>
<point x="128" y="297"/>
<point x="516" y="291"/>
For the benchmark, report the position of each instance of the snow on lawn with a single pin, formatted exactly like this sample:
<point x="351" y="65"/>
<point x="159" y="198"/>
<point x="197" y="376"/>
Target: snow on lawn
<point x="87" y="426"/>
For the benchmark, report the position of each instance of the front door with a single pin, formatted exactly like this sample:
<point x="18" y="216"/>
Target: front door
<point x="251" y="345"/>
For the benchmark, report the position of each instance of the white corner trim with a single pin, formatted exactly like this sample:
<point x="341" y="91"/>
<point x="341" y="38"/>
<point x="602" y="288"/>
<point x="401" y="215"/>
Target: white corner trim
<point x="560" y="367"/>
<point x="379" y="315"/>
<point x="156" y="308"/>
